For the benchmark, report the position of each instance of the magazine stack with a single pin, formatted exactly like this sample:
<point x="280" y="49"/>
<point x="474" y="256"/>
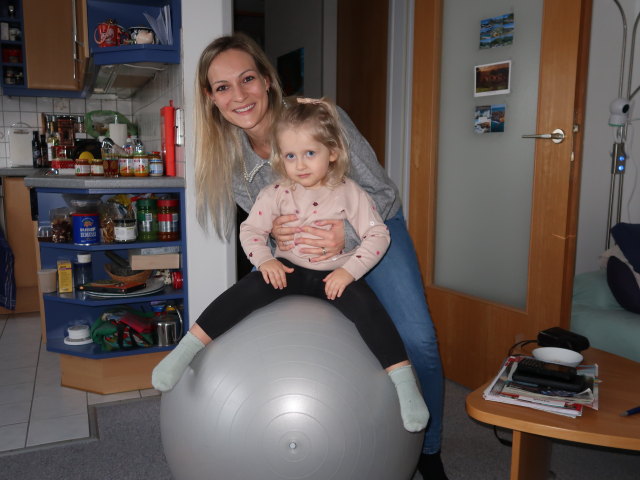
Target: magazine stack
<point x="553" y="388"/>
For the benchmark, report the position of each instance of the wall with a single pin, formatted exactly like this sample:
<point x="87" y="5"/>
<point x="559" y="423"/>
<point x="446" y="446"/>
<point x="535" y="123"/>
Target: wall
<point x="602" y="88"/>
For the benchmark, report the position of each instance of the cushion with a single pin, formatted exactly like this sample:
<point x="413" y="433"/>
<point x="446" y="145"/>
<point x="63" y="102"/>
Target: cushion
<point x="623" y="284"/>
<point x="627" y="237"/>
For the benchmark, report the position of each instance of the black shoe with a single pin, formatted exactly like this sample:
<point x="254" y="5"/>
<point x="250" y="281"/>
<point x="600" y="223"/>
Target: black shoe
<point x="431" y="468"/>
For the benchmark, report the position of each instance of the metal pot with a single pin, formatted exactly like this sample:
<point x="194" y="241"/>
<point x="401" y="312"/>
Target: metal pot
<point x="168" y="329"/>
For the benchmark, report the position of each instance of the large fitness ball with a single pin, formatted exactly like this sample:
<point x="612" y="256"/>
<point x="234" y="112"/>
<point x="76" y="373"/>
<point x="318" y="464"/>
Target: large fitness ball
<point x="291" y="392"/>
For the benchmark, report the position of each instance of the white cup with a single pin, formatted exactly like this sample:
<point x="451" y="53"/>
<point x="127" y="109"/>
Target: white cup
<point x="47" y="280"/>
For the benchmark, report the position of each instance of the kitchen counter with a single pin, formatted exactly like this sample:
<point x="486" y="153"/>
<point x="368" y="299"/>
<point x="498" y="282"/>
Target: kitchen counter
<point x="18" y="171"/>
<point x="42" y="179"/>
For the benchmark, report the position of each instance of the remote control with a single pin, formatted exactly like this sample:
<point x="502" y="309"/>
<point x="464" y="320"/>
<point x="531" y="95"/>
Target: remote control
<point x="578" y="384"/>
<point x="538" y="368"/>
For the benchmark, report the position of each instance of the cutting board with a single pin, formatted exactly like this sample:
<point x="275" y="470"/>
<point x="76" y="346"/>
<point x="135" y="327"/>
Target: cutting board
<point x="20" y="136"/>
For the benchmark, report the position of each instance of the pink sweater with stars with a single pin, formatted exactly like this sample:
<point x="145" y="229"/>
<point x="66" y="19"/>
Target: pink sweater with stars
<point x="346" y="201"/>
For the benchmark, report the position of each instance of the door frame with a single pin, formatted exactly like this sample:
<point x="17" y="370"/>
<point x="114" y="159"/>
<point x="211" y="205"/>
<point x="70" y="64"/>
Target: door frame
<point x="486" y="335"/>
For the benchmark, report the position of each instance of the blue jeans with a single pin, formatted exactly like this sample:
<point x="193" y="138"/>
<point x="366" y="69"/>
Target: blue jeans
<point x="397" y="282"/>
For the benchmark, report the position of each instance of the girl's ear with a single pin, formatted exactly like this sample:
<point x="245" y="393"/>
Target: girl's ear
<point x="333" y="156"/>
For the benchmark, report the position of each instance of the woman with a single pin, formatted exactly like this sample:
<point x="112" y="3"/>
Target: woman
<point x="237" y="98"/>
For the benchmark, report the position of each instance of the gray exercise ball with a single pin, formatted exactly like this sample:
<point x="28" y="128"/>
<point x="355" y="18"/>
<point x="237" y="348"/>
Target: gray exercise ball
<point x="291" y="392"/>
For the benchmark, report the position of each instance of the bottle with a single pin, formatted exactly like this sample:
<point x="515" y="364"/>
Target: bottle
<point x="43" y="151"/>
<point x="128" y="146"/>
<point x="168" y="220"/>
<point x="82" y="269"/>
<point x="52" y="143"/>
<point x="147" y="210"/>
<point x="156" y="168"/>
<point x="35" y="150"/>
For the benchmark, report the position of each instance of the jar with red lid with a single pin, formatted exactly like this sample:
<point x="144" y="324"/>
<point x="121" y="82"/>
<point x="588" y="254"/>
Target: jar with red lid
<point x="168" y="220"/>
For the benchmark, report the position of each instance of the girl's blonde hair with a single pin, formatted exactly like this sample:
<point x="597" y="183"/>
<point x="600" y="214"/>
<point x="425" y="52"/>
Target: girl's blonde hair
<point x="218" y="146"/>
<point x="320" y="116"/>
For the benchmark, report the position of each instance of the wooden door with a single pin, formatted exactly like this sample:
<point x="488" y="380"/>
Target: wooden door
<point x="55" y="58"/>
<point x="361" y="86"/>
<point x="476" y="333"/>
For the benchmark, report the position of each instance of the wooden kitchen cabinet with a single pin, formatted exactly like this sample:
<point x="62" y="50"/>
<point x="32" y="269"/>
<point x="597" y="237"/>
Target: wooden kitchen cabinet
<point x="56" y="44"/>
<point x="21" y="235"/>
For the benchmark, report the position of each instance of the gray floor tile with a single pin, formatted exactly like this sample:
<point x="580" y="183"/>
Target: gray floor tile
<point x="61" y="404"/>
<point x="20" y="392"/>
<point x="58" y="429"/>
<point x="13" y="436"/>
<point x="17" y="375"/>
<point x="12" y="413"/>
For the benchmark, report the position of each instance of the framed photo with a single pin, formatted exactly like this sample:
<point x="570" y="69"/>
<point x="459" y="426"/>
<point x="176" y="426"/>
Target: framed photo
<point x="492" y="79"/>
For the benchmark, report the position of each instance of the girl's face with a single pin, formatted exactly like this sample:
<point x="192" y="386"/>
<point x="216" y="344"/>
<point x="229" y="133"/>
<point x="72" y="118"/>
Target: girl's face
<point x="305" y="160"/>
<point x="238" y="90"/>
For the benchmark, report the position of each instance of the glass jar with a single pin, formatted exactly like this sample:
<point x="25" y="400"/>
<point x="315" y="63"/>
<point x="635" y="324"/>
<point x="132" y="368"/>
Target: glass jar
<point x="110" y="161"/>
<point x="156" y="167"/>
<point x="141" y="165"/>
<point x="83" y="168"/>
<point x="97" y="167"/>
<point x="82" y="270"/>
<point x="125" y="230"/>
<point x="125" y="166"/>
<point x="168" y="220"/>
<point x="147" y="209"/>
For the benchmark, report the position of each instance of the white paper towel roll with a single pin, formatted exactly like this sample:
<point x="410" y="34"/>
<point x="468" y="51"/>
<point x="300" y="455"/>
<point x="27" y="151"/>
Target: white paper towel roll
<point x="118" y="133"/>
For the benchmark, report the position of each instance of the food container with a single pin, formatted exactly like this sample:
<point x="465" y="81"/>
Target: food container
<point x="125" y="230"/>
<point x="85" y="228"/>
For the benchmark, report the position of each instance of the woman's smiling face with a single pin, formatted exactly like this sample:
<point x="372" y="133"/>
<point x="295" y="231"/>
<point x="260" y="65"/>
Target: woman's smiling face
<point x="238" y="90"/>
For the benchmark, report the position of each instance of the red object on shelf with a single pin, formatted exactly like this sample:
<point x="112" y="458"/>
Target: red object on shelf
<point x="168" y="138"/>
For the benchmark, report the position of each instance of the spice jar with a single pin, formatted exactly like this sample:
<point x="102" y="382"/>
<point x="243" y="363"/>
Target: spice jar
<point x="168" y="220"/>
<point x="156" y="167"/>
<point x="147" y="219"/>
<point x="125" y="230"/>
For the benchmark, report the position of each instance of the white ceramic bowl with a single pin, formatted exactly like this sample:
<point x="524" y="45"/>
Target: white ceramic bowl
<point x="562" y="356"/>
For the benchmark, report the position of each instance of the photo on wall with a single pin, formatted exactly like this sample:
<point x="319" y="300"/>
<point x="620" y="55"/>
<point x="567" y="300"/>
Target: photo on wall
<point x="497" y="31"/>
<point x="489" y="118"/>
<point x="492" y="79"/>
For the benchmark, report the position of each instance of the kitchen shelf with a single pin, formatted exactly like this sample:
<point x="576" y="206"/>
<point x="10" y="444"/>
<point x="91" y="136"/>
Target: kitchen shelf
<point x="66" y="309"/>
<point x="107" y="246"/>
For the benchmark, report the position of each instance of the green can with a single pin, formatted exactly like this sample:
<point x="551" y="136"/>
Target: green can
<point x="147" y="219"/>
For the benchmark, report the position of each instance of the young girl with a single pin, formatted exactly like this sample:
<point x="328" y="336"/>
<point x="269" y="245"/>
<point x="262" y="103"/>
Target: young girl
<point x="310" y="153"/>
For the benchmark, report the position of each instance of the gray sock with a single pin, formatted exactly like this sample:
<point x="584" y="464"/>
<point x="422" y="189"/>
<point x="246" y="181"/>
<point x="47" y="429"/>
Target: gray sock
<point x="169" y="370"/>
<point x="413" y="410"/>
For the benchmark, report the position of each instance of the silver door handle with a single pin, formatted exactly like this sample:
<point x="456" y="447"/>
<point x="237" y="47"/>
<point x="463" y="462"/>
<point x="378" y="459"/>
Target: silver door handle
<point x="557" y="136"/>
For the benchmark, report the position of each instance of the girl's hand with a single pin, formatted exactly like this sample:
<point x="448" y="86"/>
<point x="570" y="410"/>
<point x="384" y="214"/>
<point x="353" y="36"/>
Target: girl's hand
<point x="284" y="235"/>
<point x="330" y="243"/>
<point x="274" y="272"/>
<point x="336" y="282"/>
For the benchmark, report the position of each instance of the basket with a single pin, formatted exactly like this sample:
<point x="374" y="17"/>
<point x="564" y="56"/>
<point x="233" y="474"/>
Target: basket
<point x="139" y="276"/>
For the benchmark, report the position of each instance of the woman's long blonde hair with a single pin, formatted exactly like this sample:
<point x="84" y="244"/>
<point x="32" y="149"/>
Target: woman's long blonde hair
<point x="218" y="148"/>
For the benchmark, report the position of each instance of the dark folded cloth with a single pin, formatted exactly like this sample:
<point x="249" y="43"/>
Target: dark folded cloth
<point x="7" y="278"/>
<point x="627" y="237"/>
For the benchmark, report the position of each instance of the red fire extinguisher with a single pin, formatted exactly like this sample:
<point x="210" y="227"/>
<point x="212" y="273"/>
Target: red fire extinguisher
<point x="168" y="138"/>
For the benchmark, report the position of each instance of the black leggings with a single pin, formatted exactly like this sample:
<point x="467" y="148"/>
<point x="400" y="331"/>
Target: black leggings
<point x="358" y="303"/>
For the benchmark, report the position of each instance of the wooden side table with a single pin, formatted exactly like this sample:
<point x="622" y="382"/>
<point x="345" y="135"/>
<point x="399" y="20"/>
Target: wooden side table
<point x="533" y="429"/>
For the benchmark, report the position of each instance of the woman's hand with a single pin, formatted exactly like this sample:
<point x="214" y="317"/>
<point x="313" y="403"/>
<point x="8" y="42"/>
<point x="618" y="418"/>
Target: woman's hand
<point x="330" y="243"/>
<point x="284" y="235"/>
<point x="274" y="272"/>
<point x="336" y="282"/>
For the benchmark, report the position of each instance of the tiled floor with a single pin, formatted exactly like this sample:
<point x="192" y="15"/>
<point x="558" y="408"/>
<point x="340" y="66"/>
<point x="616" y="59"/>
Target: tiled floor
<point x="34" y="408"/>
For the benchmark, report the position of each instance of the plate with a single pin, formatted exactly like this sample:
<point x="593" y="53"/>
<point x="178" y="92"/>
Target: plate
<point x="153" y="286"/>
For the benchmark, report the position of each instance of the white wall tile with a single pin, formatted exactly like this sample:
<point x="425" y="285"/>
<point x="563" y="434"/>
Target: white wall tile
<point x="61" y="105"/>
<point x="30" y="118"/>
<point x="78" y="105"/>
<point x="11" y="117"/>
<point x="28" y="104"/>
<point x="44" y="104"/>
<point x="93" y="104"/>
<point x="11" y="104"/>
